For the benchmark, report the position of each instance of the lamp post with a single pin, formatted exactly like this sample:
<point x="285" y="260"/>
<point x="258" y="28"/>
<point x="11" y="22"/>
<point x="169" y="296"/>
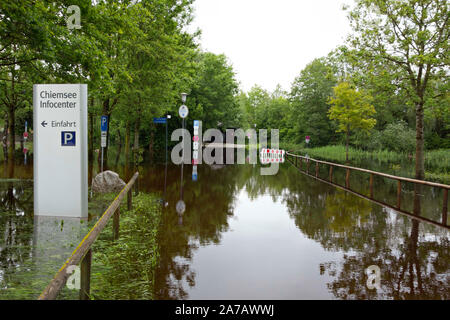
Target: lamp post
<point x="183" y="112"/>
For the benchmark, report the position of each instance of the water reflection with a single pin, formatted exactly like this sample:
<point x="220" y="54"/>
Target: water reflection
<point x="243" y="235"/>
<point x="355" y="232"/>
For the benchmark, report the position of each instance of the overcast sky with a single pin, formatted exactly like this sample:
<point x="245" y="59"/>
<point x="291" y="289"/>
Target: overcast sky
<point x="269" y="42"/>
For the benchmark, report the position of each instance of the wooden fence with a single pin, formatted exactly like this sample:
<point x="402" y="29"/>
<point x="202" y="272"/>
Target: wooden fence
<point x="348" y="169"/>
<point x="83" y="254"/>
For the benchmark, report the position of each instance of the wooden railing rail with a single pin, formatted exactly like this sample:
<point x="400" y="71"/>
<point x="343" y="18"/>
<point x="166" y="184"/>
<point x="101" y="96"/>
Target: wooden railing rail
<point x="82" y="254"/>
<point x="372" y="173"/>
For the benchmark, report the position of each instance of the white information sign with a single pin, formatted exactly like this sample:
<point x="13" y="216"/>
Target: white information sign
<point x="195" y="145"/>
<point x="183" y="111"/>
<point x="60" y="150"/>
<point x="103" y="139"/>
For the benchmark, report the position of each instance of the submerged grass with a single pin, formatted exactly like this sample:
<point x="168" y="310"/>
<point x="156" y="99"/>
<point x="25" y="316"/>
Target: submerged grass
<point x="125" y="269"/>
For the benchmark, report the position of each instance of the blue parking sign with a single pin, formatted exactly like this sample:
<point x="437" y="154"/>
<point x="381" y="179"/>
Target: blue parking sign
<point x="68" y="138"/>
<point x="104" y="124"/>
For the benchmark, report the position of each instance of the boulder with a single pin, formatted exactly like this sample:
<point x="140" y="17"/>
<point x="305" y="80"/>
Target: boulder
<point x="107" y="181"/>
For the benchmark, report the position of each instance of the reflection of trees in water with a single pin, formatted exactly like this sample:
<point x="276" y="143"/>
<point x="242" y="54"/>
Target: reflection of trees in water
<point x="414" y="263"/>
<point x="16" y="223"/>
<point x="208" y="206"/>
<point x="413" y="269"/>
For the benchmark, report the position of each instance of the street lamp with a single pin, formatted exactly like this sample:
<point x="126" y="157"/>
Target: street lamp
<point x="183" y="97"/>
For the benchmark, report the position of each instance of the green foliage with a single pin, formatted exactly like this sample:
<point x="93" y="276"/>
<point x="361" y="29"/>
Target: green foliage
<point x="264" y="110"/>
<point x="213" y="94"/>
<point x="125" y="269"/>
<point x="309" y="96"/>
<point x="351" y="109"/>
<point x="409" y="40"/>
<point x="398" y="137"/>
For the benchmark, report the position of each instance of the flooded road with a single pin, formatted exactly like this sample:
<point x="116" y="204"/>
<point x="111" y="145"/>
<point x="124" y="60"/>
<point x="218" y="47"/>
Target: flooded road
<point x="288" y="236"/>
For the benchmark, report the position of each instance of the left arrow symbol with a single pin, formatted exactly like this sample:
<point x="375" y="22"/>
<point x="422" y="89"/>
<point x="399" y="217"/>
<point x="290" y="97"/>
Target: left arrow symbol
<point x="43" y="123"/>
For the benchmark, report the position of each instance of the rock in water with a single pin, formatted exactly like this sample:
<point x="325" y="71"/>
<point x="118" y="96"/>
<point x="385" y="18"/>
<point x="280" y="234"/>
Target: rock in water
<point x="107" y="181"/>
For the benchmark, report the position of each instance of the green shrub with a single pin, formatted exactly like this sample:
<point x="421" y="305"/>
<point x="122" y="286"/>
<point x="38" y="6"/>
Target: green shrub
<point x="399" y="137"/>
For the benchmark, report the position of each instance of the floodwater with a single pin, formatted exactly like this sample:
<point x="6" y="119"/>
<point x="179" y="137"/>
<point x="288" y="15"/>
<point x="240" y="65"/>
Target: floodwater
<point x="247" y="236"/>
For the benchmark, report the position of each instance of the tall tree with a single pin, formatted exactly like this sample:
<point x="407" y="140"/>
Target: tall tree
<point x="412" y="36"/>
<point x="309" y="96"/>
<point x="352" y="110"/>
<point x="213" y="96"/>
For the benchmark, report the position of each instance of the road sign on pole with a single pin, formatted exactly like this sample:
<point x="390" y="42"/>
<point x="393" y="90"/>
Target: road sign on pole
<point x="159" y="120"/>
<point x="104" y="135"/>
<point x="103" y="140"/>
<point x="183" y="111"/>
<point x="104" y="124"/>
<point x="60" y="150"/>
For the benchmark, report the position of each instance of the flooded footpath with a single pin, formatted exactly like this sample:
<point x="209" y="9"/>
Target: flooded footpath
<point x="242" y="235"/>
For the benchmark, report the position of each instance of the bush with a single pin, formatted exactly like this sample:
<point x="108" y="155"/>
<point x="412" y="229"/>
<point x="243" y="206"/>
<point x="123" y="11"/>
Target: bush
<point x="398" y="137"/>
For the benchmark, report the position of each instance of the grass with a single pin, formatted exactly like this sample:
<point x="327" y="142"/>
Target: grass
<point x="126" y="268"/>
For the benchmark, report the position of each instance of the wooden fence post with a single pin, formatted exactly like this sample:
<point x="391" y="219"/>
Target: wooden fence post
<point x="136" y="187"/>
<point x="85" y="273"/>
<point x="347" y="179"/>
<point x="116" y="224"/>
<point x="444" y="207"/>
<point x="308" y="163"/>
<point x="331" y="174"/>
<point x="317" y="169"/>
<point x="129" y="200"/>
<point x="399" y="193"/>
<point x="371" y="185"/>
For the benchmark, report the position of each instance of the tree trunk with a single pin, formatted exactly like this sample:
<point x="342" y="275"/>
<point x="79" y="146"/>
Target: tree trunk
<point x="137" y="125"/>
<point x="5" y="140"/>
<point x="11" y="133"/>
<point x="91" y="134"/>
<point x="119" y="139"/>
<point x="346" y="144"/>
<point x="127" y="142"/>
<point x="116" y="163"/>
<point x="420" y="152"/>
<point x="150" y="146"/>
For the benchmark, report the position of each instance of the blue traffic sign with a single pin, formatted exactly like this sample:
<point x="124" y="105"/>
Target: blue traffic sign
<point x="104" y="123"/>
<point x="159" y="120"/>
<point x="196" y="123"/>
<point x="68" y="138"/>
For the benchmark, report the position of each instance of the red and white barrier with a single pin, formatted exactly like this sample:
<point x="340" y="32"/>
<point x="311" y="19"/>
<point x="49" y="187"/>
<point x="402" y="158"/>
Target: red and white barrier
<point x="272" y="156"/>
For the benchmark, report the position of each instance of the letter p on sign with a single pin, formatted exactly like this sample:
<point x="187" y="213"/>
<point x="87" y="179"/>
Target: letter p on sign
<point x="68" y="138"/>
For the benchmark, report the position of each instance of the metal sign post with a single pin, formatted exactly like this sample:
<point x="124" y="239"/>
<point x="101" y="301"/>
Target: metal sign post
<point x="195" y="150"/>
<point x="183" y="111"/>
<point x="104" y="134"/>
